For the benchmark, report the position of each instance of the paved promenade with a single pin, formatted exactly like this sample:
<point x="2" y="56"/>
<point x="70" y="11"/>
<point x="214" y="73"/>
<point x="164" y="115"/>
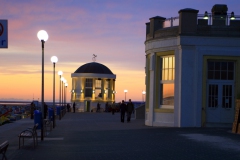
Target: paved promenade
<point x="101" y="136"/>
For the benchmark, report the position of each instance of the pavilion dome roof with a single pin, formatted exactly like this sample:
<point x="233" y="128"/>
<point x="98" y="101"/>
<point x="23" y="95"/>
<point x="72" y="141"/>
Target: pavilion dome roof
<point x="93" y="67"/>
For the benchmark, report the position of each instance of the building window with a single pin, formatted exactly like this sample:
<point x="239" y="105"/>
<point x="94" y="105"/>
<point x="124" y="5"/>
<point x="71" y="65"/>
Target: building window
<point x="167" y="76"/>
<point x="98" y="88"/>
<point x="88" y="87"/>
<point x="168" y="66"/>
<point x="220" y="70"/>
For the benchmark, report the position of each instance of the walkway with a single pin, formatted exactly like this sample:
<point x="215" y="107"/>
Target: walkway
<point x="102" y="136"/>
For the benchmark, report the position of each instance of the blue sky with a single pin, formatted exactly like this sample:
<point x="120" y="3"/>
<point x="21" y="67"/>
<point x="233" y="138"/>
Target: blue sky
<point x="113" y="30"/>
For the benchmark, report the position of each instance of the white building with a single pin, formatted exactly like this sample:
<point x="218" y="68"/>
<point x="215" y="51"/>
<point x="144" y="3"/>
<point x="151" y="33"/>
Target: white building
<point x="192" y="69"/>
<point x="92" y="83"/>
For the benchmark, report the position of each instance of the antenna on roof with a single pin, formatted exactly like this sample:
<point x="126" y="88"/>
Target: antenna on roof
<point x="94" y="57"/>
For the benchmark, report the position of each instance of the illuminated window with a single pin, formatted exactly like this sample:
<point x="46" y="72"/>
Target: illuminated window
<point x="168" y="66"/>
<point x="167" y="76"/>
<point x="98" y="88"/>
<point x="167" y="94"/>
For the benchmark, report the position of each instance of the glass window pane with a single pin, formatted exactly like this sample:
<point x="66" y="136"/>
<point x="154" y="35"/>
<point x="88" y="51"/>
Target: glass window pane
<point x="217" y="75"/>
<point x="163" y="63"/>
<point x="170" y="62"/>
<point x="166" y="74"/>
<point x="210" y="74"/>
<point x="98" y="84"/>
<point x="170" y="74"/>
<point x="230" y="102"/>
<point x="173" y="62"/>
<point x="230" y="75"/>
<point x="210" y="65"/>
<point x="230" y="66"/>
<point x="98" y="93"/>
<point x="223" y="75"/>
<point x="217" y="65"/>
<point x="163" y="74"/>
<point x="173" y="74"/>
<point x="167" y="94"/>
<point x="166" y="62"/>
<point x="88" y="92"/>
<point x="224" y="66"/>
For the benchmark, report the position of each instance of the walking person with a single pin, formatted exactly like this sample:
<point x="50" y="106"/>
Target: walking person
<point x="130" y="108"/>
<point x="106" y="107"/>
<point x="68" y="107"/>
<point x="98" y="107"/>
<point x="123" y="108"/>
<point x="74" y="107"/>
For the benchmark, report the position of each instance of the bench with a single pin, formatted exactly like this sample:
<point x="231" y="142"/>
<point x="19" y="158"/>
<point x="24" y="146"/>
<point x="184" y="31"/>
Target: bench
<point x="3" y="149"/>
<point x="29" y="133"/>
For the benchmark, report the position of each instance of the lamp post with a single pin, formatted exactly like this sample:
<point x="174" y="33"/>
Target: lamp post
<point x="54" y="60"/>
<point x="64" y="99"/>
<point x="143" y="94"/>
<point x="60" y="73"/>
<point x="125" y="91"/>
<point x="66" y="84"/>
<point x="62" y="79"/>
<point x="43" y="37"/>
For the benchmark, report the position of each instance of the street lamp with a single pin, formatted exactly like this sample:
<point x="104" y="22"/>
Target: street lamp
<point x="143" y="94"/>
<point x="125" y="91"/>
<point x="43" y="37"/>
<point x="54" y="60"/>
<point x="60" y="73"/>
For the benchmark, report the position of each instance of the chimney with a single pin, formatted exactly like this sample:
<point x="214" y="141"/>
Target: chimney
<point x="187" y="21"/>
<point x="155" y="24"/>
<point x="219" y="14"/>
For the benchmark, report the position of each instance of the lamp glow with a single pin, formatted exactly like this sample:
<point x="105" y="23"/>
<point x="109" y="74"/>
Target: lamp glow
<point x="205" y="15"/>
<point x="60" y="73"/>
<point x="232" y="16"/>
<point x="54" y="59"/>
<point x="42" y="35"/>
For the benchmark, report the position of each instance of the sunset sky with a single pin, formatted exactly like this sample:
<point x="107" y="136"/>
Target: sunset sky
<point x="114" y="30"/>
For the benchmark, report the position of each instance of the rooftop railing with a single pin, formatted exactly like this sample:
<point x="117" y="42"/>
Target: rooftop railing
<point x="225" y="18"/>
<point x="174" y="21"/>
<point x="170" y="22"/>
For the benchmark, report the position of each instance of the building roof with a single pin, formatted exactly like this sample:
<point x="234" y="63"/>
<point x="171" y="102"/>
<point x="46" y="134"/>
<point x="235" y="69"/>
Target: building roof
<point x="93" y="67"/>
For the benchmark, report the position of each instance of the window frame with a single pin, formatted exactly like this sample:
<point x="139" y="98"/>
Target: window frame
<point x="166" y="80"/>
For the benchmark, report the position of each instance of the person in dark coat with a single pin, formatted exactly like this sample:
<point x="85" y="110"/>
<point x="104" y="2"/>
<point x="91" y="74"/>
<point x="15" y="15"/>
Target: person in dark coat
<point x="130" y="108"/>
<point x="98" y="107"/>
<point x="123" y="108"/>
<point x="68" y="107"/>
<point x="74" y="107"/>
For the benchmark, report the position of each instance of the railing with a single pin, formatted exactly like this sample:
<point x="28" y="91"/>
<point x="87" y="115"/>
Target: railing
<point x="174" y="21"/>
<point x="227" y="18"/>
<point x="170" y="22"/>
